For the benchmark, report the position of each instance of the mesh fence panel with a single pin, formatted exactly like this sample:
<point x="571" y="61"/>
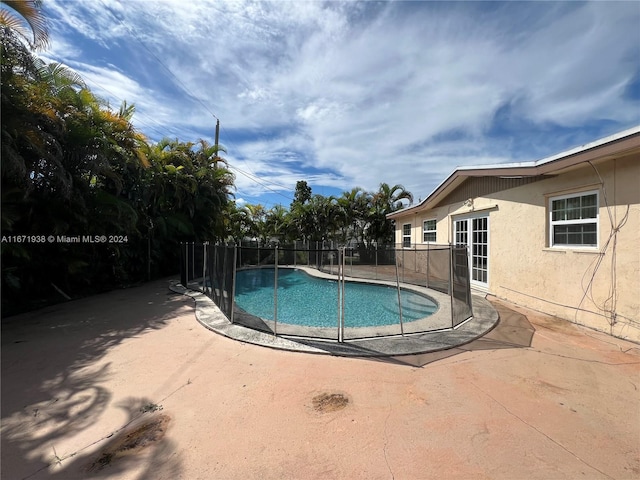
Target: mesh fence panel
<point x="191" y="269"/>
<point x="183" y="260"/>
<point x="257" y="286"/>
<point x="253" y="277"/>
<point x="217" y="275"/>
<point x="439" y="269"/>
<point x="402" y="311"/>
<point x="210" y="270"/>
<point x="461" y="308"/>
<point x="228" y="279"/>
<point x="317" y="297"/>
<point x="266" y="289"/>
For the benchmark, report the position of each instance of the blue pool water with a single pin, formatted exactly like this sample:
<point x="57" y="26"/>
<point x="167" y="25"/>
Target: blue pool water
<point x="310" y="301"/>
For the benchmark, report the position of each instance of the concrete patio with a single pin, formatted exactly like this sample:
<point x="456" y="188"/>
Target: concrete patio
<point x="129" y="385"/>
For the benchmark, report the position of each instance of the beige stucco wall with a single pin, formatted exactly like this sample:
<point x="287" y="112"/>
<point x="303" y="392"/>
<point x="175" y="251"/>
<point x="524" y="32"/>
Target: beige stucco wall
<point x="599" y="287"/>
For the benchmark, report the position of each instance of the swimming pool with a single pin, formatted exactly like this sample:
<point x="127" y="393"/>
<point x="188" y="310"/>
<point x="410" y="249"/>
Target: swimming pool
<point x="310" y="301"/>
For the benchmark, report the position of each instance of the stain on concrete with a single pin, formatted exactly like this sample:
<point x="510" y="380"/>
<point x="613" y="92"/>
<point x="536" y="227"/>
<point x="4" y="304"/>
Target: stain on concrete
<point x="330" y="402"/>
<point x="131" y="441"/>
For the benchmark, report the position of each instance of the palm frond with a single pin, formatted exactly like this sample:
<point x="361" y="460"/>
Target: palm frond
<point x="26" y="13"/>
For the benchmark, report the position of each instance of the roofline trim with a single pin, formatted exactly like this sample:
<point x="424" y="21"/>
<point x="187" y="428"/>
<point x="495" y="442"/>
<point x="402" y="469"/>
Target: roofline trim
<point x="533" y="168"/>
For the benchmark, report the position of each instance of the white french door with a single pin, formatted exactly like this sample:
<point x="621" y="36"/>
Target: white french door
<point x="474" y="233"/>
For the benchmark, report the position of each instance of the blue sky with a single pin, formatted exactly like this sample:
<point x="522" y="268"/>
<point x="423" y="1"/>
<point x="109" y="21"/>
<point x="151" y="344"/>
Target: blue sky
<point x="358" y="93"/>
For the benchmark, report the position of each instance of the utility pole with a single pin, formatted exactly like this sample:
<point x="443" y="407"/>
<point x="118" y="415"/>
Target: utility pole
<point x="217" y="134"/>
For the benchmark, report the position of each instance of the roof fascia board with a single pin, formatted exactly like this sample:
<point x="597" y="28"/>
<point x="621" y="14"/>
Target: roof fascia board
<point x="616" y="144"/>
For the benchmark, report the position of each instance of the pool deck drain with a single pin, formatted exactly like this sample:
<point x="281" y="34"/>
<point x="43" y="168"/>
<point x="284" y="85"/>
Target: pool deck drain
<point x="483" y="321"/>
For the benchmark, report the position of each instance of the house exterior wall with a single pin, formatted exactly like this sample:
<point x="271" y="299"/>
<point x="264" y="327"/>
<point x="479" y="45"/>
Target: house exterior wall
<point x="597" y="287"/>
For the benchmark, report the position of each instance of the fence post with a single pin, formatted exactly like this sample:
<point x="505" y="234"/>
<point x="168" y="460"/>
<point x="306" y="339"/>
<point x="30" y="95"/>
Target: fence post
<point x="376" y="269"/>
<point x="342" y="263"/>
<point x="182" y="276"/>
<point x="204" y="267"/>
<point x="193" y="259"/>
<point x="341" y="296"/>
<point x="451" y="260"/>
<point x="450" y="289"/>
<point x="233" y="283"/>
<point x="223" y="283"/>
<point x="211" y="269"/>
<point x="468" y="282"/>
<point x="427" y="265"/>
<point x="351" y="261"/>
<point x="219" y="265"/>
<point x="399" y="297"/>
<point x="275" y="295"/>
<point x="339" y="309"/>
<point x="331" y="261"/>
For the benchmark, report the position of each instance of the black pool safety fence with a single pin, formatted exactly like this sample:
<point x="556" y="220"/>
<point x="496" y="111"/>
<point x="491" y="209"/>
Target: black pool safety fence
<point x="415" y="290"/>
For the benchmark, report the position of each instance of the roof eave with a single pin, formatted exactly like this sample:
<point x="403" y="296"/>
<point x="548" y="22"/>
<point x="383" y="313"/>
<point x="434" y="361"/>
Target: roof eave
<point x="614" y="145"/>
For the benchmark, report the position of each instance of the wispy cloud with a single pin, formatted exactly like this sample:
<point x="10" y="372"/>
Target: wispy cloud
<point x="357" y="93"/>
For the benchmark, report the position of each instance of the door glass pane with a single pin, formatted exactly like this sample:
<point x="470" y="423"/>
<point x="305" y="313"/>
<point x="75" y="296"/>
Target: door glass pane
<point x="474" y="232"/>
<point x="461" y="232"/>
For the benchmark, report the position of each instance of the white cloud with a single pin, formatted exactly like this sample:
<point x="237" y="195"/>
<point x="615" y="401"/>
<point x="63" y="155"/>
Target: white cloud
<point x="362" y="92"/>
<point x="94" y="20"/>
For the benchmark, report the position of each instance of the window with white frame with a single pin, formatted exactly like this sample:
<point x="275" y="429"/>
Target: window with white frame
<point x="406" y="235"/>
<point x="428" y="231"/>
<point x="574" y="220"/>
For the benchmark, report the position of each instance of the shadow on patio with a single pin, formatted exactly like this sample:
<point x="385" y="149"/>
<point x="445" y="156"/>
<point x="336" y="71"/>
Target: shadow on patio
<point x="512" y="331"/>
<point x="52" y="381"/>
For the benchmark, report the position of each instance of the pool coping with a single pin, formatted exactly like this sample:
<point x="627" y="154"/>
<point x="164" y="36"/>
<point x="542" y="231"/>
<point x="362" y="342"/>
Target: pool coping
<point x="485" y="318"/>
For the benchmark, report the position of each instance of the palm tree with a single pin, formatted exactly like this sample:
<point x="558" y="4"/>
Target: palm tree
<point x="24" y="16"/>
<point x="256" y="217"/>
<point x="70" y="165"/>
<point x="354" y="207"/>
<point x="277" y="223"/>
<point x="386" y="200"/>
<point x="237" y="222"/>
<point x="60" y="77"/>
<point x="317" y="217"/>
<point x="390" y="199"/>
<point x="209" y="155"/>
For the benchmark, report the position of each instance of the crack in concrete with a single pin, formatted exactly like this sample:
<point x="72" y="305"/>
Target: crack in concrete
<point x="58" y="460"/>
<point x="542" y="433"/>
<point x="613" y="364"/>
<point x="386" y="440"/>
